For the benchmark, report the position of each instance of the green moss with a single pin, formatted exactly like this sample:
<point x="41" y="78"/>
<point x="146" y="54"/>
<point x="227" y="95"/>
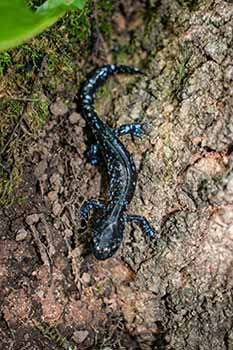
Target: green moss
<point x="5" y="60"/>
<point x="105" y="92"/>
<point x="181" y="75"/>
<point x="53" y="334"/>
<point x="79" y="26"/>
<point x="38" y="111"/>
<point x="56" y="54"/>
<point x="10" y="179"/>
<point x="104" y="13"/>
<point x="99" y="289"/>
<point x="191" y="4"/>
<point x="13" y="140"/>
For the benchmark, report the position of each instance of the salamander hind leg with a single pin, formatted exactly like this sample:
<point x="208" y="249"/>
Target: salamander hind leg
<point x="134" y="129"/>
<point x="144" y="224"/>
<point x="90" y="205"/>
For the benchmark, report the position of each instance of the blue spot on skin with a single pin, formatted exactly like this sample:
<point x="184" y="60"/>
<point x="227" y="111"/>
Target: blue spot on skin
<point x="108" y="229"/>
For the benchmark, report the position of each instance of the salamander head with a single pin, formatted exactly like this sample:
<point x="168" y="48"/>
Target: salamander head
<point x="107" y="237"/>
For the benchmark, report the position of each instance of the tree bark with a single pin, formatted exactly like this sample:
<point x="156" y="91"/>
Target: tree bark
<point x="190" y="101"/>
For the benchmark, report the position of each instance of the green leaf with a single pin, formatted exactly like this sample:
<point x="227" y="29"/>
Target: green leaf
<point x="51" y="4"/>
<point x="19" y="23"/>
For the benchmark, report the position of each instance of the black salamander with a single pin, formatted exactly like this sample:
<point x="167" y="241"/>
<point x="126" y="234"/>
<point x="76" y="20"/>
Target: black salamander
<point x="108" y="229"/>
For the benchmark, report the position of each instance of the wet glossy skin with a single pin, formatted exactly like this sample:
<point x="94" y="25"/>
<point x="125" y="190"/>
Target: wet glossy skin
<point x="108" y="230"/>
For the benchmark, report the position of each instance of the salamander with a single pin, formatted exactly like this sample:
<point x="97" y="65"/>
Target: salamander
<point x="108" y="229"/>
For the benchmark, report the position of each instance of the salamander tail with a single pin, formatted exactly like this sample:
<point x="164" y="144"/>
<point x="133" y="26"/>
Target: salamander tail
<point x="100" y="76"/>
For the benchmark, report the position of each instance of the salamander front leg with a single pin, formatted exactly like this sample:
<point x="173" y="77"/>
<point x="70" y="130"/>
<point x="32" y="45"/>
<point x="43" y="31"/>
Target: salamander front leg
<point x="144" y="224"/>
<point x="94" y="155"/>
<point x="88" y="206"/>
<point x="134" y="129"/>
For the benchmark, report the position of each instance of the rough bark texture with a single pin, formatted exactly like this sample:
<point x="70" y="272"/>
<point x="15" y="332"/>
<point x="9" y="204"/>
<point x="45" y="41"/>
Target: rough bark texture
<point x="176" y="294"/>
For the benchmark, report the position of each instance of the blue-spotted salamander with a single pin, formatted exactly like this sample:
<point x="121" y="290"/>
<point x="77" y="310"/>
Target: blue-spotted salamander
<point x="108" y="228"/>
